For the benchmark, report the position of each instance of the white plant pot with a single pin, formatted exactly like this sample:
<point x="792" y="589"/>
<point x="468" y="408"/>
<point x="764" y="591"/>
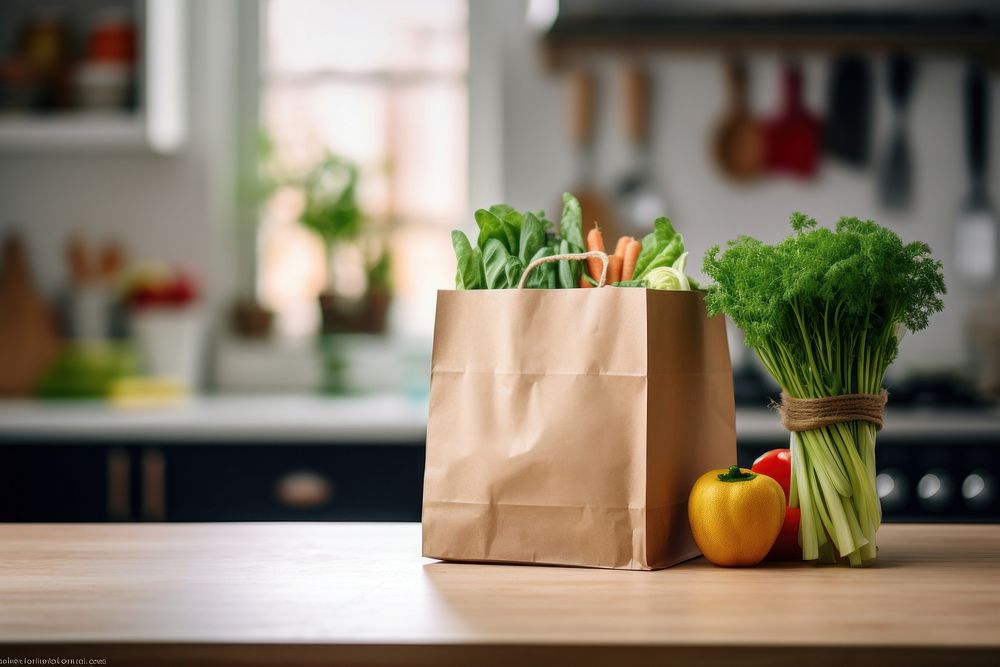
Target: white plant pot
<point x="170" y="343"/>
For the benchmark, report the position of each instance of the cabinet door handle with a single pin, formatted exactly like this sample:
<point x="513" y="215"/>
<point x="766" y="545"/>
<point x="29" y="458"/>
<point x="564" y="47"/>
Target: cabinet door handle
<point x="154" y="486"/>
<point x="303" y="489"/>
<point x="119" y="502"/>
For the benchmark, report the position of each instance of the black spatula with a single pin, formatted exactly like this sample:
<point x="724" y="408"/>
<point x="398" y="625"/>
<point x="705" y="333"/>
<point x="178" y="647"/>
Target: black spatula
<point x="896" y="174"/>
<point x="977" y="230"/>
<point x="847" y="135"/>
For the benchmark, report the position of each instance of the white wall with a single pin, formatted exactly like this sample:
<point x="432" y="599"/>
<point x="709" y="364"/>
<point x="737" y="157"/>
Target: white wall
<point x="177" y="208"/>
<point x="180" y="208"/>
<point x="689" y="96"/>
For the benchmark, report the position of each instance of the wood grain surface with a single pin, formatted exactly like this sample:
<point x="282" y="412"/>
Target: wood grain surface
<point x="360" y="594"/>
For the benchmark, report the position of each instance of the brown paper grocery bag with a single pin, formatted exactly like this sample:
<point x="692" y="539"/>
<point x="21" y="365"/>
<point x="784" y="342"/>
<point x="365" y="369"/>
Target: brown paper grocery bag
<point x="567" y="427"/>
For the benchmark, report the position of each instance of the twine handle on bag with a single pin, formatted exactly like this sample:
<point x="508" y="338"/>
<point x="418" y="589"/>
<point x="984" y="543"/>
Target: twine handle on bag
<point x="806" y="414"/>
<point x="570" y="255"/>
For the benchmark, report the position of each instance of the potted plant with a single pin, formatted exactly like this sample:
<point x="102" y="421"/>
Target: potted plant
<point x="331" y="211"/>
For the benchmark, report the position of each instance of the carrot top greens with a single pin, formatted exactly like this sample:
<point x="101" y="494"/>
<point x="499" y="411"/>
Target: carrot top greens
<point x="826" y="300"/>
<point x="825" y="309"/>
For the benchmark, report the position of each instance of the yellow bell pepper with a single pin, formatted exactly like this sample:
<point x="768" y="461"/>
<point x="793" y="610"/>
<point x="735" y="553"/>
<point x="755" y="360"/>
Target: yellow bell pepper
<point x="735" y="515"/>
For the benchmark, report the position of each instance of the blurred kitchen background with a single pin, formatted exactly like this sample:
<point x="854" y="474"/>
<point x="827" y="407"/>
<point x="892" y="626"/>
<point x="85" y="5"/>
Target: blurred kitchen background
<point x="224" y="223"/>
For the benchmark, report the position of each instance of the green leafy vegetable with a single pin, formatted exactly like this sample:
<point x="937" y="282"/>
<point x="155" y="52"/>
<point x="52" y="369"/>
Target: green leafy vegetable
<point x="569" y="270"/>
<point x="493" y="227"/>
<point x="666" y="257"/>
<point x="662" y="260"/>
<point x="667" y="278"/>
<point x="571" y="224"/>
<point x="660" y="248"/>
<point x="510" y="240"/>
<point x="646" y="255"/>
<point x="513" y="269"/>
<point x="532" y="237"/>
<point x="512" y="221"/>
<point x="507" y="213"/>
<point x="824" y="309"/>
<point x="495" y="264"/>
<point x="547" y="224"/>
<point x="540" y="275"/>
<point x="470" y="263"/>
<point x="664" y="231"/>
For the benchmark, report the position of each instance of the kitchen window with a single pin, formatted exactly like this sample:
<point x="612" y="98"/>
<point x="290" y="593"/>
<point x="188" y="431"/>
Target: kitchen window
<point x="382" y="83"/>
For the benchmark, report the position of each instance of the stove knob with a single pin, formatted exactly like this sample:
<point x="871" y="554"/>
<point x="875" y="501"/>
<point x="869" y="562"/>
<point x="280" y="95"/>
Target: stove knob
<point x="978" y="489"/>
<point x="935" y="490"/>
<point x="893" y="489"/>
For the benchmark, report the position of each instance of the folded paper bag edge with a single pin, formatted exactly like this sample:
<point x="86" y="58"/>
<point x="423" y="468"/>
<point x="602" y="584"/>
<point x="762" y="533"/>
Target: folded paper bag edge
<point x="443" y="551"/>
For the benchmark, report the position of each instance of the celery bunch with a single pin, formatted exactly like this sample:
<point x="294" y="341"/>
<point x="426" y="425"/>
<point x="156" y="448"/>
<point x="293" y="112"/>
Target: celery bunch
<point x="825" y="309"/>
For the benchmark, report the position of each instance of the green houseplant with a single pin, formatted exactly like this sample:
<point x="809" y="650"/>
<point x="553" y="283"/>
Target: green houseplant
<point x="331" y="211"/>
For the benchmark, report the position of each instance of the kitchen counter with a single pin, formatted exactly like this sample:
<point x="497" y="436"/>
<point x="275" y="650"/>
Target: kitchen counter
<point x="242" y="419"/>
<point x="236" y="458"/>
<point x="360" y="594"/>
<point x="374" y="418"/>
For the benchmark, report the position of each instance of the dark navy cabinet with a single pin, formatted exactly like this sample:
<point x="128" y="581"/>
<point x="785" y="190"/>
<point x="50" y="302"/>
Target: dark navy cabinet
<point x="163" y="481"/>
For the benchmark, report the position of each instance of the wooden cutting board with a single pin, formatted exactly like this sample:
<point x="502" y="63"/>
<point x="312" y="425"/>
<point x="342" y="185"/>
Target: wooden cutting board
<point x="28" y="339"/>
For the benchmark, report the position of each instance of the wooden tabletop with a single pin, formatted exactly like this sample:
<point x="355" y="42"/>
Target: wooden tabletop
<point x="360" y="594"/>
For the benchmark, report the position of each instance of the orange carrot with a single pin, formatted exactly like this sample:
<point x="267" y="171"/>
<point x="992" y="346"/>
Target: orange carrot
<point x="632" y="251"/>
<point x="584" y="282"/>
<point x="614" y="269"/>
<point x="622" y="244"/>
<point x="595" y="242"/>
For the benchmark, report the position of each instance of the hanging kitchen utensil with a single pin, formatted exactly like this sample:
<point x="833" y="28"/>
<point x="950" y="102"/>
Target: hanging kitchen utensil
<point x="594" y="204"/>
<point x="639" y="201"/>
<point x="793" y="135"/>
<point x="977" y="230"/>
<point x="847" y="133"/>
<point x="739" y="139"/>
<point x="896" y="173"/>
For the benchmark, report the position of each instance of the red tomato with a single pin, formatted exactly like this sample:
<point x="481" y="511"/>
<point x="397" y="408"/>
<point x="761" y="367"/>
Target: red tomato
<point x="786" y="546"/>
<point x="776" y="464"/>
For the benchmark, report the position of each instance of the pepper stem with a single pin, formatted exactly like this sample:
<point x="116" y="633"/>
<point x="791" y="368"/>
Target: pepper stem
<point x="735" y="474"/>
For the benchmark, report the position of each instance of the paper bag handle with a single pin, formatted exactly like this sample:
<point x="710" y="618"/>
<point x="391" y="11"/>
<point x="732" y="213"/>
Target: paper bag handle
<point x="571" y="255"/>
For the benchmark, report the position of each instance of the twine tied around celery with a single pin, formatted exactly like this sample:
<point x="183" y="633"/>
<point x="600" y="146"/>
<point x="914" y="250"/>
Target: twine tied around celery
<point x="568" y="256"/>
<point x="806" y="414"/>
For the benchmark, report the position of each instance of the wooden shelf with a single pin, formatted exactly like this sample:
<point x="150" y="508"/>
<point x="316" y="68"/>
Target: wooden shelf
<point x="962" y="33"/>
<point x="72" y="132"/>
<point x="160" y="125"/>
